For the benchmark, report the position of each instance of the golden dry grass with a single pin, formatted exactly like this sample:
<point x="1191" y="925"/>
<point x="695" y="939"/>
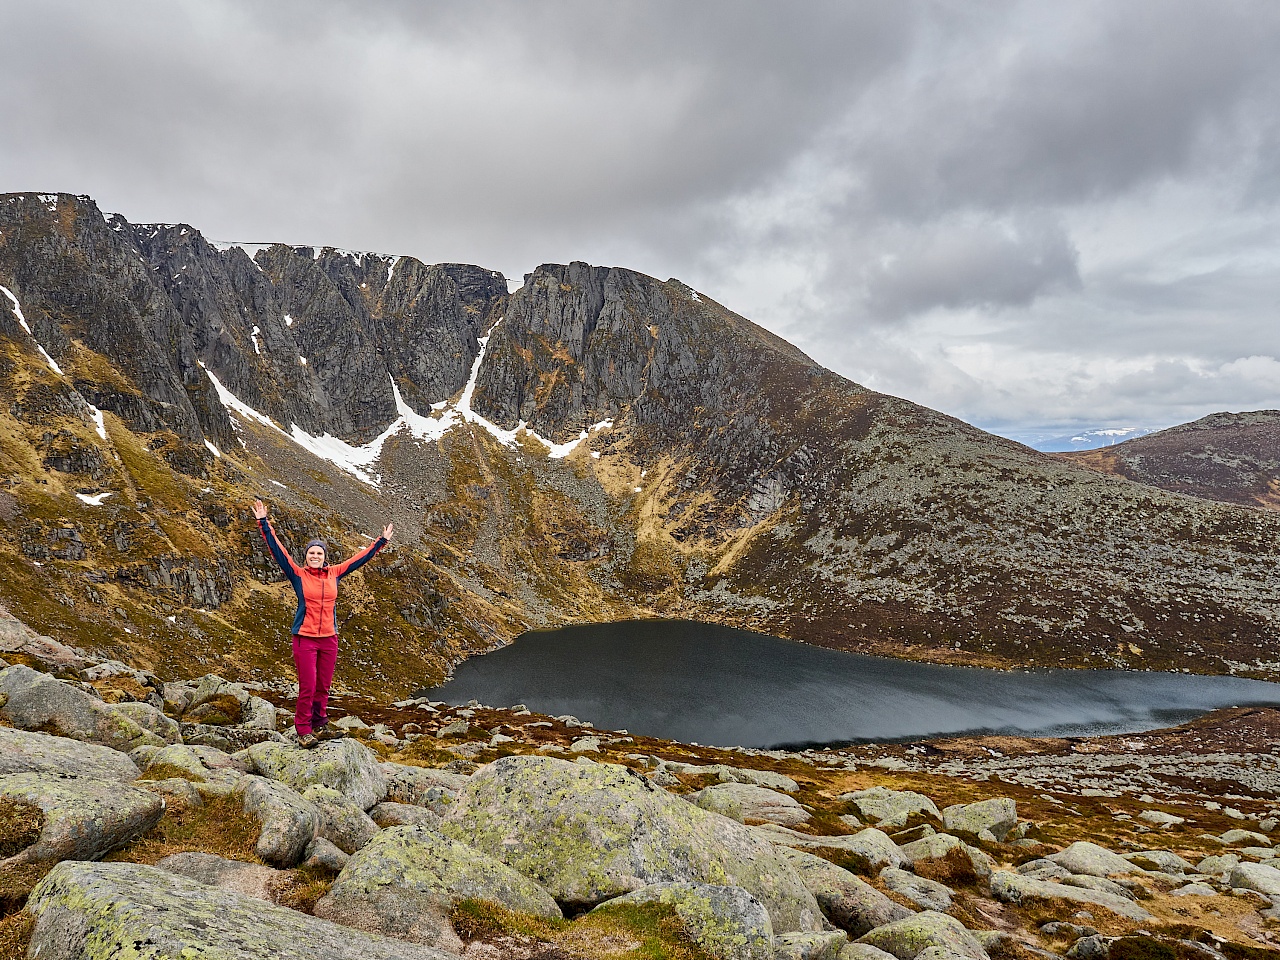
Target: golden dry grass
<point x="220" y="827"/>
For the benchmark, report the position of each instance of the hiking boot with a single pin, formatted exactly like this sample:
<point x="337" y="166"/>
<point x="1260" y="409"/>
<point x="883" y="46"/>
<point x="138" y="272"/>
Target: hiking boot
<point x="308" y="741"/>
<point x="330" y="733"/>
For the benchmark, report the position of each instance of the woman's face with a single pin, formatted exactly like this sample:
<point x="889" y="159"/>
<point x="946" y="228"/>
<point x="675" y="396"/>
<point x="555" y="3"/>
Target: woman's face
<point x="315" y="557"/>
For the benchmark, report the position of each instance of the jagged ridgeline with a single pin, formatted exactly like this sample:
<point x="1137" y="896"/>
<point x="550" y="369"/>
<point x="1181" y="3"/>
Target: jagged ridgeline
<point x="596" y="445"/>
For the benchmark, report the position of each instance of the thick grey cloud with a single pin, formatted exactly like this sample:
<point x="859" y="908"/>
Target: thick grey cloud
<point x="1029" y="215"/>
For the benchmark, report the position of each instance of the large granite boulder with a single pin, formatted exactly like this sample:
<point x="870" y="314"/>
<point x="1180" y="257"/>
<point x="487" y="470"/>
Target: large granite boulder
<point x="1014" y="888"/>
<point x="83" y="819"/>
<point x="809" y="946"/>
<point x="391" y="814"/>
<point x="925" y="894"/>
<point x="725" y="922"/>
<point x="745" y="801"/>
<point x="909" y="938"/>
<point x="847" y="900"/>
<point x="994" y="817"/>
<point x="404" y="881"/>
<point x="289" y="823"/>
<point x="1164" y="861"/>
<point x="194" y="763"/>
<point x="347" y="766"/>
<point x="891" y="808"/>
<point x="250" y="879"/>
<point x="36" y="701"/>
<point x="1257" y="876"/>
<point x="422" y="786"/>
<point x="150" y="719"/>
<point x="23" y="751"/>
<point x="95" y="911"/>
<point x="1083" y="857"/>
<point x="939" y="846"/>
<point x="589" y="832"/>
<point x="341" y="822"/>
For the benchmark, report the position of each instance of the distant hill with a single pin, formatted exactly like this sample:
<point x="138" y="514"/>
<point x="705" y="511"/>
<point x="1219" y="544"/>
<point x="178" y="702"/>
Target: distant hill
<point x="1231" y="457"/>
<point x="1090" y="439"/>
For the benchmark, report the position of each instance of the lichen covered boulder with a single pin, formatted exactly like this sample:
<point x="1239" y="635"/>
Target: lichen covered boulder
<point x="289" y="823"/>
<point x="347" y="766"/>
<point x="745" y="801"/>
<point x="1258" y="877"/>
<point x="909" y="938"/>
<point x="341" y="822"/>
<point x="925" y="894"/>
<point x="891" y="807"/>
<point x="995" y="816"/>
<point x="150" y="719"/>
<point x="725" y="922"/>
<point x="192" y="762"/>
<point x="250" y="879"/>
<point x="1083" y="857"/>
<point x="809" y="946"/>
<point x="36" y="701"/>
<point x="422" y="786"/>
<point x="391" y="814"/>
<point x="589" y="832"/>
<point x="847" y="900"/>
<point x="1013" y="888"/>
<point x="96" y="911"/>
<point x="403" y="882"/>
<point x="24" y="751"/>
<point x="83" y="819"/>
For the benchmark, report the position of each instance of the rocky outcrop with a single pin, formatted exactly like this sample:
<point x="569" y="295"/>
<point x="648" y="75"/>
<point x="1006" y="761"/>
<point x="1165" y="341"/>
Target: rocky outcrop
<point x="83" y="818"/>
<point x="890" y="808"/>
<point x="94" y="911"/>
<point x="533" y="834"/>
<point x="1013" y="888"/>
<point x="1090" y="859"/>
<point x="725" y="922"/>
<point x="909" y="938"/>
<point x="847" y="900"/>
<point x="36" y="701"/>
<point x="347" y="766"/>
<point x="289" y="823"/>
<point x="743" y="801"/>
<point x="404" y="881"/>
<point x="22" y="751"/>
<point x="588" y="832"/>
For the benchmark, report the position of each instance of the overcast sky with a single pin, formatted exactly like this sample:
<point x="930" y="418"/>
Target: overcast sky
<point x="1038" y="217"/>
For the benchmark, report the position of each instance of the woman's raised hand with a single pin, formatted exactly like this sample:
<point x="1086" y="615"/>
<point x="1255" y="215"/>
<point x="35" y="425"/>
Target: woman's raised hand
<point x="388" y="532"/>
<point x="259" y="509"/>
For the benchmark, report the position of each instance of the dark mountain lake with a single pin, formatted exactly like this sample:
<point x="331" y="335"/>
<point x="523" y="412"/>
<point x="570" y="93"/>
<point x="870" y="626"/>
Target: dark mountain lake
<point x="717" y="686"/>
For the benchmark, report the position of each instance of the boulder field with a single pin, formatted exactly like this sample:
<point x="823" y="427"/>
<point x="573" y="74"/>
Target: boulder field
<point x="184" y="824"/>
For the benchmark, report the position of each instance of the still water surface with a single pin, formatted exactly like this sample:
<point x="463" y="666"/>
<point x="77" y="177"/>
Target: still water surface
<point x="717" y="686"/>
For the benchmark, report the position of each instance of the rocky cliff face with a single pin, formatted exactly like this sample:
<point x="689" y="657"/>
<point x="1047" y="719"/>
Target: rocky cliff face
<point x="674" y="459"/>
<point x="1232" y="457"/>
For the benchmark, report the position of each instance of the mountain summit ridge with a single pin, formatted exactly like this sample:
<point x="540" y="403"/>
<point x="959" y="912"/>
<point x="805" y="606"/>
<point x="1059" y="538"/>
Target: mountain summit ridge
<point x="724" y="474"/>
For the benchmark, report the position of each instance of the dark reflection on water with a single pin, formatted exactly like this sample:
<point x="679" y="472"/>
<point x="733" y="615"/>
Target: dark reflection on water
<point x="713" y="685"/>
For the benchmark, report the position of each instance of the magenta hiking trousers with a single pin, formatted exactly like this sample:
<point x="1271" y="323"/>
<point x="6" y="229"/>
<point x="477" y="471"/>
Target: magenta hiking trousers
<point x="315" y="658"/>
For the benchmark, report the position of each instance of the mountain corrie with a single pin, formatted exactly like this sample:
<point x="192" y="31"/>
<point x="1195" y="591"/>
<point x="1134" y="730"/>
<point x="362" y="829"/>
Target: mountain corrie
<point x="625" y="447"/>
